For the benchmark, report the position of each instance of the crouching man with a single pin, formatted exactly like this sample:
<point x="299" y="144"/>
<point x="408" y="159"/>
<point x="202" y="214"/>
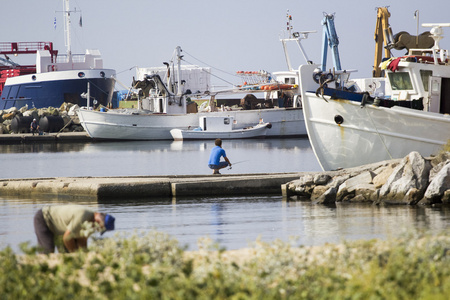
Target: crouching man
<point x="75" y="223"/>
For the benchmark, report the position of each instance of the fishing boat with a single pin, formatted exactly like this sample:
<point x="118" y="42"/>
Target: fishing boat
<point x="211" y="128"/>
<point x="348" y="127"/>
<point x="165" y="104"/>
<point x="54" y="78"/>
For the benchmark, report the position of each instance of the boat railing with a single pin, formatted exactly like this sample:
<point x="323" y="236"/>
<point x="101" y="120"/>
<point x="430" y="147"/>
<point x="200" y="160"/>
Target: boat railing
<point x="76" y="58"/>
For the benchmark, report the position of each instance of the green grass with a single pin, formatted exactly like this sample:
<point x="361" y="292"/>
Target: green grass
<point x="155" y="266"/>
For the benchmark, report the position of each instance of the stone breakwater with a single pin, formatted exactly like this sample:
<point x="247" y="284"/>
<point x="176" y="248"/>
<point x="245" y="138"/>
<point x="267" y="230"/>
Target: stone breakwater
<point x="411" y="180"/>
<point x="67" y="111"/>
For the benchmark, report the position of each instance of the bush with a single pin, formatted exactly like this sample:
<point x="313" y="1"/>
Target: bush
<point x="155" y="266"/>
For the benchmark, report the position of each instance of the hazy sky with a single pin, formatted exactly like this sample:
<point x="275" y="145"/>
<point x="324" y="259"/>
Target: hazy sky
<point x="228" y="35"/>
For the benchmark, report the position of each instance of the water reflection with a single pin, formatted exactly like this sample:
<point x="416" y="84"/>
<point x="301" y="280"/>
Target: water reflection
<point x="237" y="221"/>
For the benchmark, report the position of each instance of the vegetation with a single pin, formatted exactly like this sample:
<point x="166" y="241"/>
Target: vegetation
<point x="446" y="147"/>
<point x="154" y="266"/>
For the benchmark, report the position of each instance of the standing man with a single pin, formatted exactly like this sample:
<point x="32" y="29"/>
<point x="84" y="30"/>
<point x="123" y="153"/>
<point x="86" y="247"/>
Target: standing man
<point x="34" y="127"/>
<point x="214" y="159"/>
<point x="75" y="223"/>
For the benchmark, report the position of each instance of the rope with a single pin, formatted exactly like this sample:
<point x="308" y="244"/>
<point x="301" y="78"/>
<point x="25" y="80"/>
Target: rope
<point x="64" y="127"/>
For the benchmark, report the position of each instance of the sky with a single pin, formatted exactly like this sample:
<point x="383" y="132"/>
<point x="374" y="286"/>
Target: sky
<point x="226" y="35"/>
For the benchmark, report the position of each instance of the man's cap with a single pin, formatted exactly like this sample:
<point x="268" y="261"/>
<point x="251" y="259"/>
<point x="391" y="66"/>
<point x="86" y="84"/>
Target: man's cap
<point x="109" y="223"/>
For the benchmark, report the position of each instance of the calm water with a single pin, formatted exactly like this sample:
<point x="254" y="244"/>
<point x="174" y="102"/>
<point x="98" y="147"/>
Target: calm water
<point x="234" y="222"/>
<point x="153" y="158"/>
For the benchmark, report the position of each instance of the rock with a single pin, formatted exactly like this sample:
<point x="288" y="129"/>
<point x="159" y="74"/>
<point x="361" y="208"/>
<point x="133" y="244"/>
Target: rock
<point x="13" y="110"/>
<point x="446" y="197"/>
<point x="73" y="109"/>
<point x="441" y="157"/>
<point x="337" y="181"/>
<point x="317" y="192"/>
<point x="348" y="189"/>
<point x="75" y="120"/>
<point x="439" y="185"/>
<point x="380" y="179"/>
<point x="66" y="107"/>
<point x="413" y="196"/>
<point x="9" y="116"/>
<point x="321" y="179"/>
<point x="362" y="191"/>
<point x="306" y="180"/>
<point x="328" y="197"/>
<point x="358" y="198"/>
<point x="304" y="190"/>
<point x="411" y="180"/>
<point x="412" y="172"/>
<point x="435" y="170"/>
<point x="23" y="109"/>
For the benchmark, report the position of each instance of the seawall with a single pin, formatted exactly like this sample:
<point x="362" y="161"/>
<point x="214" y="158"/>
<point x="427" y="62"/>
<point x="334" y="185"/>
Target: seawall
<point x="147" y="186"/>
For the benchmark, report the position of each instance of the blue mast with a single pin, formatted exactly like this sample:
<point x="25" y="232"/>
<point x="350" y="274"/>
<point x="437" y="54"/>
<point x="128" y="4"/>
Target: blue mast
<point x="330" y="38"/>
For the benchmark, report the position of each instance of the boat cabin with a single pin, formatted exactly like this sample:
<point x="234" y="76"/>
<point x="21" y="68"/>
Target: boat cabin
<point x="219" y="124"/>
<point x="416" y="77"/>
<point x="423" y="74"/>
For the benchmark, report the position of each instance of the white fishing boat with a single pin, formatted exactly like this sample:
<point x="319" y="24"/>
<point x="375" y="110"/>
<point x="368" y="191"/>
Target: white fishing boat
<point x="166" y="105"/>
<point x="348" y="129"/>
<point x="211" y="128"/>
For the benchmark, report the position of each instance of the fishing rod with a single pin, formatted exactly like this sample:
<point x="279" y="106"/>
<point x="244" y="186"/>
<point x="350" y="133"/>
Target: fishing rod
<point x="229" y="168"/>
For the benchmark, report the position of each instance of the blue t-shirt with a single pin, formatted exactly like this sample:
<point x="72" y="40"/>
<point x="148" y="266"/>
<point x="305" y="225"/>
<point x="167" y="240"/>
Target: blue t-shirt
<point x="216" y="153"/>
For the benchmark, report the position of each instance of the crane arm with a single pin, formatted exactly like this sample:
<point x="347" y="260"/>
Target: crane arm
<point x="330" y="38"/>
<point x="383" y="35"/>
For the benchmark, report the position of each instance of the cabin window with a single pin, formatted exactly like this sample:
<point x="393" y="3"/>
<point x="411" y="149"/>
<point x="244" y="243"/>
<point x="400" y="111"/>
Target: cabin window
<point x="226" y="121"/>
<point x="400" y="81"/>
<point x="289" y="80"/>
<point x="425" y="76"/>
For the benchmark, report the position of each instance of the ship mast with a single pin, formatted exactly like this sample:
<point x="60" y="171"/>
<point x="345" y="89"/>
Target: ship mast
<point x="66" y="11"/>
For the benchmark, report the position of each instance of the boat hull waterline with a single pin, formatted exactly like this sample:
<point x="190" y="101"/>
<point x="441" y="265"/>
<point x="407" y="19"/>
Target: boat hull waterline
<point x="258" y="131"/>
<point x="54" y="88"/>
<point x="111" y="125"/>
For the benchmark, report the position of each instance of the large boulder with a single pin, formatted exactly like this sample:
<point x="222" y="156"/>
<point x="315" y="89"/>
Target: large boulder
<point x="408" y="181"/>
<point x="438" y="186"/>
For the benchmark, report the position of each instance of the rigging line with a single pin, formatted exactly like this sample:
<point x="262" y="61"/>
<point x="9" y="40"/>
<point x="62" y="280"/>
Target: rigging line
<point x="208" y="64"/>
<point x="129" y="69"/>
<point x="101" y="90"/>
<point x="213" y="74"/>
<point x="379" y="135"/>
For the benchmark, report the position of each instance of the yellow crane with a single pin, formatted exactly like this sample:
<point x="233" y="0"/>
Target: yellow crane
<point x="383" y="35"/>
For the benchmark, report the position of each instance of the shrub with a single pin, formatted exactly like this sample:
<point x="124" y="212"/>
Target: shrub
<point x="154" y="266"/>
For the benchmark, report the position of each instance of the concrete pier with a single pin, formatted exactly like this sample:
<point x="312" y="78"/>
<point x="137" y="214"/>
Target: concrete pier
<point x="28" y="138"/>
<point x="147" y="186"/>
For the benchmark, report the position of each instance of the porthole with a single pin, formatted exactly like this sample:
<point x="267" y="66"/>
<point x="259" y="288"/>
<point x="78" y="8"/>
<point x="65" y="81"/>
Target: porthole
<point x="338" y="119"/>
<point x="81" y="74"/>
<point x="102" y="74"/>
<point x="33" y="77"/>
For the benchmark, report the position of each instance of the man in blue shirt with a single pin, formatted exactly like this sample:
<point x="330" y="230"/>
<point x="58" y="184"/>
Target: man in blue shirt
<point x="214" y="159"/>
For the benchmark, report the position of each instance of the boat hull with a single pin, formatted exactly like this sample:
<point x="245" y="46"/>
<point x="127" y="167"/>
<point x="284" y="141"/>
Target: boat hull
<point x="368" y="134"/>
<point x="54" y="88"/>
<point x="119" y="126"/>
<point x="258" y="131"/>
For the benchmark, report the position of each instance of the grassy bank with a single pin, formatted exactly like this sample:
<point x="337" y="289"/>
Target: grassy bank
<point x="154" y="266"/>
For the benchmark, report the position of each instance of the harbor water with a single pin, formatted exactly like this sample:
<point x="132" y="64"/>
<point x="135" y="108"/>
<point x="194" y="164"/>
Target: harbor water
<point x="233" y="222"/>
